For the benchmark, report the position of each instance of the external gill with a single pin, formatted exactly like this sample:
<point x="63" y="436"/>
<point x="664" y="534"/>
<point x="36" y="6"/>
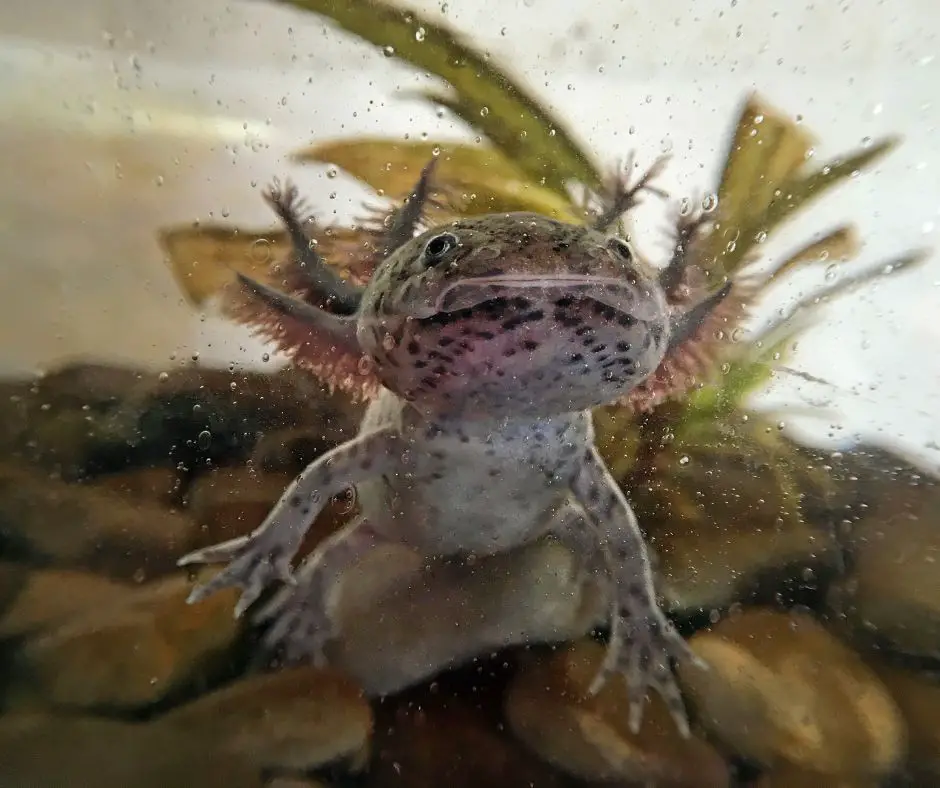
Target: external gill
<point x="314" y="321"/>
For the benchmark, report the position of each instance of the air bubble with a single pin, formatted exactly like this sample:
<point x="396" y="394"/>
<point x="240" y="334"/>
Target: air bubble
<point x="709" y="202"/>
<point x="204" y="440"/>
<point x="420" y="34"/>
<point x="388" y="51"/>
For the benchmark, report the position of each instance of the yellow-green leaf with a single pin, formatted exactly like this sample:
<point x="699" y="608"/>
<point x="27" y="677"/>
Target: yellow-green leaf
<point x="500" y="107"/>
<point x="839" y="244"/>
<point x="203" y="258"/>
<point x="765" y="149"/>
<point x="478" y="179"/>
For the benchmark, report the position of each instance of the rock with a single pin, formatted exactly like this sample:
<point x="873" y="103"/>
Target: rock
<point x="293" y="720"/>
<point x="47" y="597"/>
<point x="892" y="591"/>
<point x="547" y="707"/>
<point x="130" y="655"/>
<point x="157" y="485"/>
<point x="782" y="690"/>
<point x="454" y="738"/>
<point x="88" y="419"/>
<point x="401" y="623"/>
<point x="231" y="502"/>
<point x="792" y="777"/>
<point x="918" y="697"/>
<point x="718" y="548"/>
<point x="49" y="523"/>
<point x="85" y="752"/>
<point x="293" y="449"/>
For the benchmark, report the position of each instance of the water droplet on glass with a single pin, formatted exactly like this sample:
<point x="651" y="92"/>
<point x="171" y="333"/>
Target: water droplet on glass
<point x="388" y="51"/>
<point x="204" y="440"/>
<point x="365" y="365"/>
<point x="260" y="250"/>
<point x="831" y="271"/>
<point x="709" y="202"/>
<point x="331" y="172"/>
<point x="163" y="377"/>
<point x="484" y="111"/>
<point x="265" y="357"/>
<point x="760" y="237"/>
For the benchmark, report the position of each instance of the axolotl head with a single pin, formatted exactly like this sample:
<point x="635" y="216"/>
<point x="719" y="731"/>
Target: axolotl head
<point x="511" y="314"/>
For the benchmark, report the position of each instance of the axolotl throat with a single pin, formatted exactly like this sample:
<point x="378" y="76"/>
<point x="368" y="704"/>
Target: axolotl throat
<point x="493" y="337"/>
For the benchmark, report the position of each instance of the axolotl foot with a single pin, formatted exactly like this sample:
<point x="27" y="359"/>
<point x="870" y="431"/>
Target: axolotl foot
<point x="642" y="645"/>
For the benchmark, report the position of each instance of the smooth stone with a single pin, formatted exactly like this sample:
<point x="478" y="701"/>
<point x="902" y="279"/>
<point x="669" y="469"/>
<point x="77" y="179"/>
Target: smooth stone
<point x="87" y="752"/>
<point x="46" y="522"/>
<point x="293" y="720"/>
<point x="714" y="550"/>
<point x="47" y="597"/>
<point x="402" y="621"/>
<point x="918" y="697"/>
<point x="891" y="593"/>
<point x="156" y="485"/>
<point x="780" y="689"/>
<point x="231" y="502"/>
<point x="452" y="737"/>
<point x="589" y="737"/>
<point x="127" y="656"/>
<point x="792" y="777"/>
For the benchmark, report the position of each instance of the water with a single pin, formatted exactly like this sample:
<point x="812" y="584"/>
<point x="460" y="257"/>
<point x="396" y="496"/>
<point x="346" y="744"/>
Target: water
<point x="797" y="537"/>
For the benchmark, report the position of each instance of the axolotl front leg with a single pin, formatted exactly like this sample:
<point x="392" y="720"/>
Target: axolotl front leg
<point x="603" y="528"/>
<point x="265" y="555"/>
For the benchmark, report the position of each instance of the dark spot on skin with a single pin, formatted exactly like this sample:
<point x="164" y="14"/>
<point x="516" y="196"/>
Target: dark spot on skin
<point x="437" y="475"/>
<point x="530" y="344"/>
<point x="584" y="330"/>
<point x="539" y="437"/>
<point x="296" y="500"/>
<point x="493" y="473"/>
<point x="588" y="342"/>
<point x="623" y="347"/>
<point x="565" y="301"/>
<point x="437" y="455"/>
<point x="561" y="246"/>
<point x="430" y="383"/>
<point x="598" y="348"/>
<point x="439" y="370"/>
<point x="444" y="341"/>
<point x="486" y="335"/>
<point x="575" y="358"/>
<point x="419" y="364"/>
<point x="572" y="321"/>
<point x="626" y="320"/>
<point x="509" y="352"/>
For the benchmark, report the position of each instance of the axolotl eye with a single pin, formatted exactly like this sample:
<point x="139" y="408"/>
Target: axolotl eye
<point x="437" y="249"/>
<point x="622" y="249"/>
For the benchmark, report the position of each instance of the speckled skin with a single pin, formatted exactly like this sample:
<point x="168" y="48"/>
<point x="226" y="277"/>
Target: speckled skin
<point x="493" y="337"/>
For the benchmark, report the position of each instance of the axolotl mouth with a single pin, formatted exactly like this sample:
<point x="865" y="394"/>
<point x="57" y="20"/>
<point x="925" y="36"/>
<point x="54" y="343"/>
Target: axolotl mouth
<point x="496" y="342"/>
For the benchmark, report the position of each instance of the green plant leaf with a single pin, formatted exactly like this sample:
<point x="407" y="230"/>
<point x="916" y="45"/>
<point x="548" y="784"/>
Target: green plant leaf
<point x="488" y="98"/>
<point x="478" y="179"/>
<point x="764" y="182"/>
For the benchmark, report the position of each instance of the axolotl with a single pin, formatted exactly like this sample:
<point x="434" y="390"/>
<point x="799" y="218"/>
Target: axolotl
<point x="492" y="337"/>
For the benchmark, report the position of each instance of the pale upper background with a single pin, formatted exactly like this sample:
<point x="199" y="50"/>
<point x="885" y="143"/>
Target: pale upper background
<point x="118" y="116"/>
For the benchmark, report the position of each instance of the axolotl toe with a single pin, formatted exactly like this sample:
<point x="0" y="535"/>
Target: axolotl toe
<point x="493" y="337"/>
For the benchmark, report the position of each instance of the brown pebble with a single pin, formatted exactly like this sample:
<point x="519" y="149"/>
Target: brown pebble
<point x="781" y="689"/>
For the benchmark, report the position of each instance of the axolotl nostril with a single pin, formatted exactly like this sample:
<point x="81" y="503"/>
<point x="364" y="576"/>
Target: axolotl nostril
<point x="490" y="339"/>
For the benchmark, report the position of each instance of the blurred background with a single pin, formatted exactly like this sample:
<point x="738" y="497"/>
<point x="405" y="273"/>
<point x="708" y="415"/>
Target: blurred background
<point x="117" y="118"/>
